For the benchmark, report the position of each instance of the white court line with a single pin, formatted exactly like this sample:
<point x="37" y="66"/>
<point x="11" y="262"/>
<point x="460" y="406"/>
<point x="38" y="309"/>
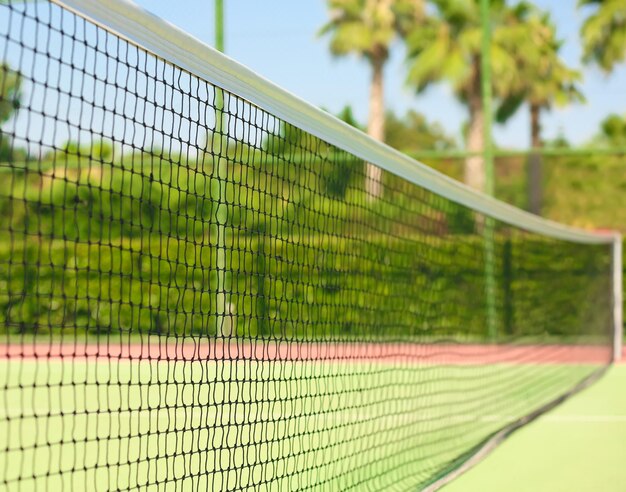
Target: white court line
<point x="548" y="418"/>
<point x="585" y="418"/>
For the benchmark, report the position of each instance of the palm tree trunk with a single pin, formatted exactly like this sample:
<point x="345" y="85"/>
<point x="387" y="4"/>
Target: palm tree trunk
<point x="376" y="124"/>
<point x="535" y="171"/>
<point x="474" y="172"/>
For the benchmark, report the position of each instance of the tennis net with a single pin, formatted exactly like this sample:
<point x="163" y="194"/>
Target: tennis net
<point x="204" y="286"/>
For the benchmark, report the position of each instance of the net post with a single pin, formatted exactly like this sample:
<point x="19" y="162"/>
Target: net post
<point x="490" y="279"/>
<point x="489" y="186"/>
<point x="223" y="319"/>
<point x="219" y="25"/>
<point x="618" y="320"/>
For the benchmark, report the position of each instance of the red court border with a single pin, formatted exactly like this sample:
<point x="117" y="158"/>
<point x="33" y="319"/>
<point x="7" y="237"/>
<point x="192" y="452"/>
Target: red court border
<point x="258" y="350"/>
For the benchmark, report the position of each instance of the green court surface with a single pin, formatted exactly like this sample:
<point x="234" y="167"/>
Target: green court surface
<point x="119" y="425"/>
<point x="579" y="446"/>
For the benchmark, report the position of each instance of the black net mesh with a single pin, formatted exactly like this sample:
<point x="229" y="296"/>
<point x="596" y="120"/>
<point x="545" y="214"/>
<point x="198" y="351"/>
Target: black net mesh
<point x="195" y="294"/>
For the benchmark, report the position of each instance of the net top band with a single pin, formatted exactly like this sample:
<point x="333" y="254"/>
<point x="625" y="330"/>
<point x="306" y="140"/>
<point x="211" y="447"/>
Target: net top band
<point x="166" y="41"/>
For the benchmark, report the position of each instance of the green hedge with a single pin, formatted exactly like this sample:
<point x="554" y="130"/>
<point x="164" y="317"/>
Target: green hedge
<point x="131" y="247"/>
<point x="318" y="288"/>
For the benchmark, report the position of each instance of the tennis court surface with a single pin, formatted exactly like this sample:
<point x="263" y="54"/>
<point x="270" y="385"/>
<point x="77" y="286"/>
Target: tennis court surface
<point x="578" y="446"/>
<point x="204" y="285"/>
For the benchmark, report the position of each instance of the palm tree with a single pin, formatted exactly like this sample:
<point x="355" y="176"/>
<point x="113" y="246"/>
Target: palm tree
<point x="448" y="47"/>
<point x="547" y="82"/>
<point x="604" y="33"/>
<point x="368" y="28"/>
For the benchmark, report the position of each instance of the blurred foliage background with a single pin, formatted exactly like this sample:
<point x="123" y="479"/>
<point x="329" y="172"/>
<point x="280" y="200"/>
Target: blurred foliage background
<point x="98" y="235"/>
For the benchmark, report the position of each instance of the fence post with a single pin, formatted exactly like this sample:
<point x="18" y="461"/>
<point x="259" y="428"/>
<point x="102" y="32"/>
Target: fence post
<point x="618" y="320"/>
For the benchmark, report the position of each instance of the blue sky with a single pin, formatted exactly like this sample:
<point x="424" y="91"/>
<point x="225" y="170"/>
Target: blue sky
<point x="279" y="40"/>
